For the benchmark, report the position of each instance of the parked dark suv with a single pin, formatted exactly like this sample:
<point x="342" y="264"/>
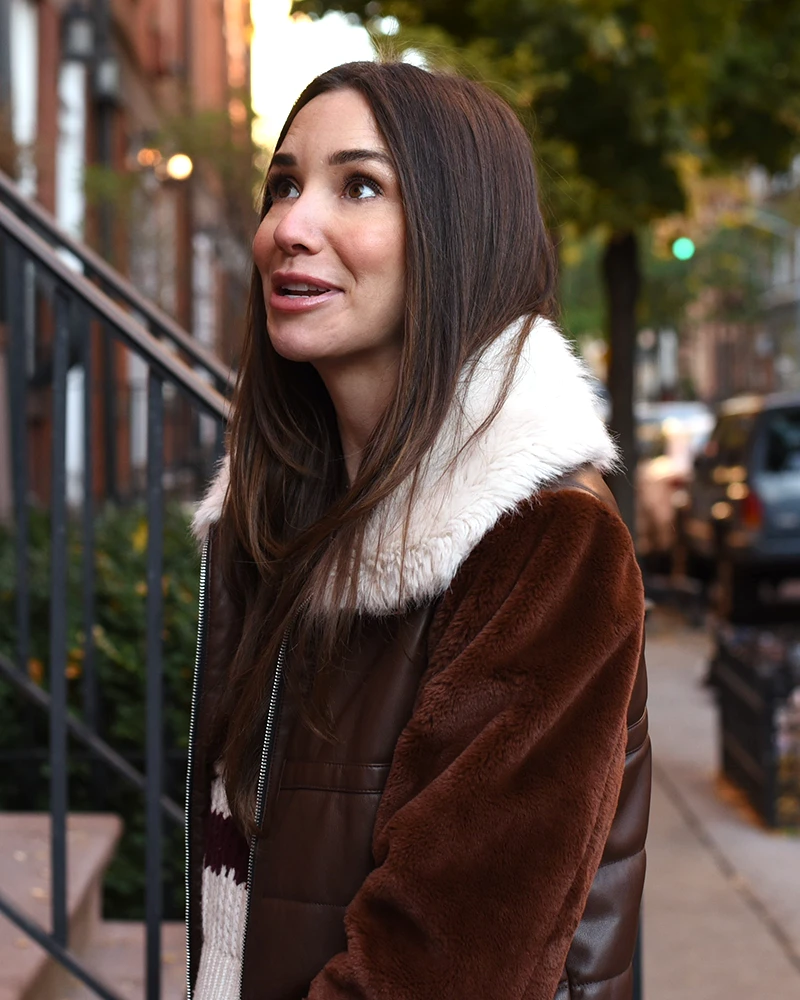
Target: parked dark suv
<point x="742" y="519"/>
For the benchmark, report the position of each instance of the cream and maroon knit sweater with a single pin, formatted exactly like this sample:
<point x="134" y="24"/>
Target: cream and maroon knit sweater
<point x="224" y="901"/>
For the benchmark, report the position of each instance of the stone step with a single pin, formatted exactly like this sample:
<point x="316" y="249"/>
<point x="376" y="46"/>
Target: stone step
<point x="116" y="954"/>
<point x="26" y="971"/>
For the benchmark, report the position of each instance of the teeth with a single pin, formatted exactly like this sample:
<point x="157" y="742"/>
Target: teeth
<point x="300" y="287"/>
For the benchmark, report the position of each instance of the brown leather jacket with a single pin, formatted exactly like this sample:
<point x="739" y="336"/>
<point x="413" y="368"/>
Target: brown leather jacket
<point x="477" y="828"/>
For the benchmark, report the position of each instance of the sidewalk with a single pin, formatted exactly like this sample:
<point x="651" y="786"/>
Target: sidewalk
<point x="722" y="900"/>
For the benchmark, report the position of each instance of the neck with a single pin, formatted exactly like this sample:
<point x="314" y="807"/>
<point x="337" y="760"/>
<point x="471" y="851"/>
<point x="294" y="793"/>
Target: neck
<point x="360" y="393"/>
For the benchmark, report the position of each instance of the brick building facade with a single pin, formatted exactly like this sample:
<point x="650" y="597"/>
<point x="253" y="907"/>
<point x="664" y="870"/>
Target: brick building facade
<point x="90" y="139"/>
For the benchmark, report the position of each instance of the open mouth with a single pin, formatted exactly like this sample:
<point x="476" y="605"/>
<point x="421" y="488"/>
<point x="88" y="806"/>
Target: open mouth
<point x="300" y="293"/>
<point x="298" y="290"/>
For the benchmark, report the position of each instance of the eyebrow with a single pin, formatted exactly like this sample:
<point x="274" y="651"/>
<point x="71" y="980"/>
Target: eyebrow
<point x="338" y="159"/>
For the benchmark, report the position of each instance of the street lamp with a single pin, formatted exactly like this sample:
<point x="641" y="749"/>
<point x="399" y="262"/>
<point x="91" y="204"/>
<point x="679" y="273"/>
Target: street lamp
<point x="77" y="34"/>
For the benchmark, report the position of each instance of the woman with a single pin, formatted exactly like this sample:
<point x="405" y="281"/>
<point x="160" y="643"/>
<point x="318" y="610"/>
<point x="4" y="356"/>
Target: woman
<point x="420" y="619"/>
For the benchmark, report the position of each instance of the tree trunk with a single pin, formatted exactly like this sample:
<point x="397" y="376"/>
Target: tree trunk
<point x="622" y="282"/>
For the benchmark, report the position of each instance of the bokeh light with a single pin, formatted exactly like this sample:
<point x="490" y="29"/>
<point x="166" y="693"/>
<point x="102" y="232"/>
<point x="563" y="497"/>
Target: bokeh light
<point x="683" y="248"/>
<point x="179" y="167"/>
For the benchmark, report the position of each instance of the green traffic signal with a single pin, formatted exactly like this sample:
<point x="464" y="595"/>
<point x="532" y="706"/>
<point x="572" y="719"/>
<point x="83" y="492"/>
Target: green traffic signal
<point x="683" y="248"/>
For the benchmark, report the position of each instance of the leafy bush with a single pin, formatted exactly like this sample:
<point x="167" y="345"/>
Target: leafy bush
<point x="119" y="636"/>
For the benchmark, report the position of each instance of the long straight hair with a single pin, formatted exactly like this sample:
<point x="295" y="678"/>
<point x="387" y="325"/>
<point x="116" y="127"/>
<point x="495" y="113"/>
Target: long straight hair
<point x="292" y="529"/>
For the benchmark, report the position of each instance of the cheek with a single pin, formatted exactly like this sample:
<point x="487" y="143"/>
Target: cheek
<point x="381" y="255"/>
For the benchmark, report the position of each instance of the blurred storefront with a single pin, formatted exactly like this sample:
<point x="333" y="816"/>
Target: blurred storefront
<point x="779" y="214"/>
<point x="726" y="357"/>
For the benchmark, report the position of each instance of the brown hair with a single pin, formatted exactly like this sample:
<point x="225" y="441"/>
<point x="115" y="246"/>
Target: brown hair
<point x="478" y="257"/>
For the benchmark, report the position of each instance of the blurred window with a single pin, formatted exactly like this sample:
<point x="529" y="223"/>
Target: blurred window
<point x="731" y="437"/>
<point x="783" y="441"/>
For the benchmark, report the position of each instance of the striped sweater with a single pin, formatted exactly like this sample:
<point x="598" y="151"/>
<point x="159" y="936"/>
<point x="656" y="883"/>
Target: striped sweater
<point x="224" y="901"/>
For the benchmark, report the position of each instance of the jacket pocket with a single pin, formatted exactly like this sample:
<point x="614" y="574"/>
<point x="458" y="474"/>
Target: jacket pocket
<point x="319" y="846"/>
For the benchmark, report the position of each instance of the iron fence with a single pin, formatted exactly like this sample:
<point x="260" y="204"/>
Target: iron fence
<point x="84" y="324"/>
<point x="755" y="672"/>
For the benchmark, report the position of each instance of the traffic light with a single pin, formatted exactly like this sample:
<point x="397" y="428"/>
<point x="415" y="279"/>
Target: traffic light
<point x="683" y="248"/>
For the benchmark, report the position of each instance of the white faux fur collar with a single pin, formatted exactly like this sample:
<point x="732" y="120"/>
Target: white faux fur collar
<point x="548" y="425"/>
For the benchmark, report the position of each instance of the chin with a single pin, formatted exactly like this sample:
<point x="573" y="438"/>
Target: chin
<point x="293" y="351"/>
<point x="297" y="344"/>
<point x="319" y="344"/>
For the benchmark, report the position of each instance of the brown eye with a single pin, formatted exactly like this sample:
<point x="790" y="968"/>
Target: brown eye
<point x="358" y="189"/>
<point x="282" y="189"/>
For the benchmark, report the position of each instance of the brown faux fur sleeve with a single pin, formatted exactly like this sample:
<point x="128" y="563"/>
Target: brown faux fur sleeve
<point x="505" y="781"/>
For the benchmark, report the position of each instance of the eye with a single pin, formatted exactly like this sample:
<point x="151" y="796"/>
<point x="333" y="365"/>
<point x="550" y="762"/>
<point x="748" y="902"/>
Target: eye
<point x="361" y="188"/>
<point x="283" y="188"/>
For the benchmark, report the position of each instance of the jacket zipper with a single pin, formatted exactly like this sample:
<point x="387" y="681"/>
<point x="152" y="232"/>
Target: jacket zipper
<point x="263" y="784"/>
<point x="201" y="636"/>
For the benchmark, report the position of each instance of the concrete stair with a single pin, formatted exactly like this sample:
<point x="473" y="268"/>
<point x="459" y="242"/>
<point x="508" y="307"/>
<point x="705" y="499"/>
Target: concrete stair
<point x="116" y="954"/>
<point x="114" y="951"/>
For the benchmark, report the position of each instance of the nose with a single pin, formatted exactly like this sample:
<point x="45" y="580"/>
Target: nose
<point x="299" y="229"/>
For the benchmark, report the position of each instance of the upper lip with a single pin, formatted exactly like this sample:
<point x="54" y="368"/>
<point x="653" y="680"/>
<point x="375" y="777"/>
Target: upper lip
<point x="280" y="279"/>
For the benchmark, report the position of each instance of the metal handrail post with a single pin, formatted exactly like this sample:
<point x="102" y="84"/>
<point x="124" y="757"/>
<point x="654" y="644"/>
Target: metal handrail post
<point x="17" y="378"/>
<point x="155" y="679"/>
<point x="58" y="626"/>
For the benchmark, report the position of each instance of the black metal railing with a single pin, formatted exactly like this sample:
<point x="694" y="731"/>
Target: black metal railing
<point x="79" y="321"/>
<point x="116" y="286"/>
<point x="754" y="671"/>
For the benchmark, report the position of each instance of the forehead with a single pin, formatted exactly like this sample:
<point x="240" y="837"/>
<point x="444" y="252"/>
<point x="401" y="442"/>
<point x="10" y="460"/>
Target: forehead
<point x="337" y="120"/>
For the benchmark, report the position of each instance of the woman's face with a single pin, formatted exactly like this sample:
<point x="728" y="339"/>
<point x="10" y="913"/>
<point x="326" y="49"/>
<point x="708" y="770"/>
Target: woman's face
<point x="331" y="249"/>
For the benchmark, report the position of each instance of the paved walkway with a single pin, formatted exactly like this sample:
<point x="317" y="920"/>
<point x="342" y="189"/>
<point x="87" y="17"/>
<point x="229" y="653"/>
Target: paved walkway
<point x="722" y="901"/>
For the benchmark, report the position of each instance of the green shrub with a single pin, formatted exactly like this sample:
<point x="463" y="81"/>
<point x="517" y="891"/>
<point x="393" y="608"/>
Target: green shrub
<point x="119" y="655"/>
